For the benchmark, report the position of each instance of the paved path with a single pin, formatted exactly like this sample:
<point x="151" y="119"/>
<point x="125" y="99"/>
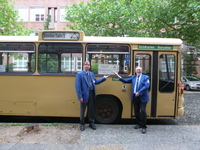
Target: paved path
<point x="124" y="137"/>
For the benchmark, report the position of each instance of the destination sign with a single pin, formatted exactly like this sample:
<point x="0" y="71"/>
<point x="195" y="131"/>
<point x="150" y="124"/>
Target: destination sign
<point x="60" y="36"/>
<point x="156" y="47"/>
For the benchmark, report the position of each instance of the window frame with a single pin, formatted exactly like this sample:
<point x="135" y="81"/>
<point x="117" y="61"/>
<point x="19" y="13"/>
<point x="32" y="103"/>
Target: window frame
<point x="166" y="84"/>
<point x="66" y="50"/>
<point x="99" y="52"/>
<point x="36" y="10"/>
<point x="11" y="54"/>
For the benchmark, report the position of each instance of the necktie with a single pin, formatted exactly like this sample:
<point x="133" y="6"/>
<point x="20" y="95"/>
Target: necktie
<point x="137" y="83"/>
<point x="88" y="77"/>
<point x="89" y="81"/>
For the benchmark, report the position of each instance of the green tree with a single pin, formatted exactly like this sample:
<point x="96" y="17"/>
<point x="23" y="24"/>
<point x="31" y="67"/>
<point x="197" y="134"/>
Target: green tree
<point x="173" y="19"/>
<point x="9" y="24"/>
<point x="94" y="67"/>
<point x="176" y="19"/>
<point x="47" y="22"/>
<point x="189" y="64"/>
<point x="154" y="18"/>
<point x="106" y="17"/>
<point x="48" y="63"/>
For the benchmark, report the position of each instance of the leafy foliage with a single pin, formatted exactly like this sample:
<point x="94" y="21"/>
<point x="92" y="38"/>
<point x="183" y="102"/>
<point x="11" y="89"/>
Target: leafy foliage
<point x="105" y="18"/>
<point x="189" y="64"/>
<point x="48" y="63"/>
<point x="9" y="24"/>
<point x="94" y="67"/>
<point x="175" y="18"/>
<point x="47" y="22"/>
<point x="154" y="18"/>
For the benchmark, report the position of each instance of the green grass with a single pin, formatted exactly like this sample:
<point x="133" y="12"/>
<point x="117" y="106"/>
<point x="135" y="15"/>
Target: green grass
<point x="52" y="124"/>
<point x="18" y="124"/>
<point x="13" y="124"/>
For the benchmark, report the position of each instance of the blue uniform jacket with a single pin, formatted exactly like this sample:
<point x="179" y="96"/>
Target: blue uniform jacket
<point x="82" y="86"/>
<point x="142" y="89"/>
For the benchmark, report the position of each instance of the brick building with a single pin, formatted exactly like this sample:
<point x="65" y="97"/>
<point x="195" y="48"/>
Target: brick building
<point x="34" y="12"/>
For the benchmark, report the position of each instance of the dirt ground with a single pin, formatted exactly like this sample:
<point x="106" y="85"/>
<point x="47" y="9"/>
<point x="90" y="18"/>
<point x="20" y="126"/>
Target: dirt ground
<point x="61" y="134"/>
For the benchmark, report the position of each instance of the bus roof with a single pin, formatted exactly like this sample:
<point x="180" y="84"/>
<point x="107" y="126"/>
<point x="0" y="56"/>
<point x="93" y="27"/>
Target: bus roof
<point x="95" y="39"/>
<point x="134" y="40"/>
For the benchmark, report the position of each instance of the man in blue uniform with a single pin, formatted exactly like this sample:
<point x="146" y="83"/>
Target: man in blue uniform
<point x="86" y="93"/>
<point x="139" y="96"/>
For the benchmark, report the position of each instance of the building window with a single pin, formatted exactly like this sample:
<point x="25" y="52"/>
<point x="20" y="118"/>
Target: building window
<point x="42" y="17"/>
<point x="55" y="14"/>
<point x="49" y="12"/>
<point x="37" y="17"/>
<point x="79" y="62"/>
<point x="167" y="63"/>
<point x="37" y="13"/>
<point x="20" y="63"/>
<point x="67" y="62"/>
<point x="62" y="13"/>
<point x="23" y="12"/>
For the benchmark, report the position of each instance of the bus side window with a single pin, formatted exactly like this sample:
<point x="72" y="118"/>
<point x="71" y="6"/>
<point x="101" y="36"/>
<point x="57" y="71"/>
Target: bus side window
<point x="17" y="57"/>
<point x="60" y="57"/>
<point x="166" y="73"/>
<point x="144" y="61"/>
<point x="108" y="58"/>
<point x="48" y="63"/>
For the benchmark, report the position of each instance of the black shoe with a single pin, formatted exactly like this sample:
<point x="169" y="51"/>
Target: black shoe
<point x="143" y="130"/>
<point x="92" y="126"/>
<point x="137" y="126"/>
<point x="82" y="127"/>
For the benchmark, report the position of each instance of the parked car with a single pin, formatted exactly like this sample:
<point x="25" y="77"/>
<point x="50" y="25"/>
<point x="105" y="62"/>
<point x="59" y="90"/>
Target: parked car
<point x="191" y="83"/>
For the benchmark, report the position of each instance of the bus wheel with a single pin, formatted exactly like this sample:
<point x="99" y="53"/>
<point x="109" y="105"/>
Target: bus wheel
<point x="107" y="110"/>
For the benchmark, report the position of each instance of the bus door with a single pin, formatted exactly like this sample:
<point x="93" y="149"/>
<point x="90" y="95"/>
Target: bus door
<point x="144" y="60"/>
<point x="163" y="99"/>
<point x="160" y="67"/>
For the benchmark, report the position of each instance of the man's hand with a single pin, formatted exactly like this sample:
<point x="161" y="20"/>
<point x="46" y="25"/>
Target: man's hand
<point x="117" y="74"/>
<point x="105" y="76"/>
<point x="137" y="94"/>
<point x="81" y="100"/>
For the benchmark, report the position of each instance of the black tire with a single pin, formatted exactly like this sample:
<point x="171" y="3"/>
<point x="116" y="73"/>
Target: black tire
<point x="187" y="87"/>
<point x="107" y="109"/>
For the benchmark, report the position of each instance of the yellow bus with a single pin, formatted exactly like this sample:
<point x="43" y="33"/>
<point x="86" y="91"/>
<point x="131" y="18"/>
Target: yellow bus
<point x="37" y="74"/>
